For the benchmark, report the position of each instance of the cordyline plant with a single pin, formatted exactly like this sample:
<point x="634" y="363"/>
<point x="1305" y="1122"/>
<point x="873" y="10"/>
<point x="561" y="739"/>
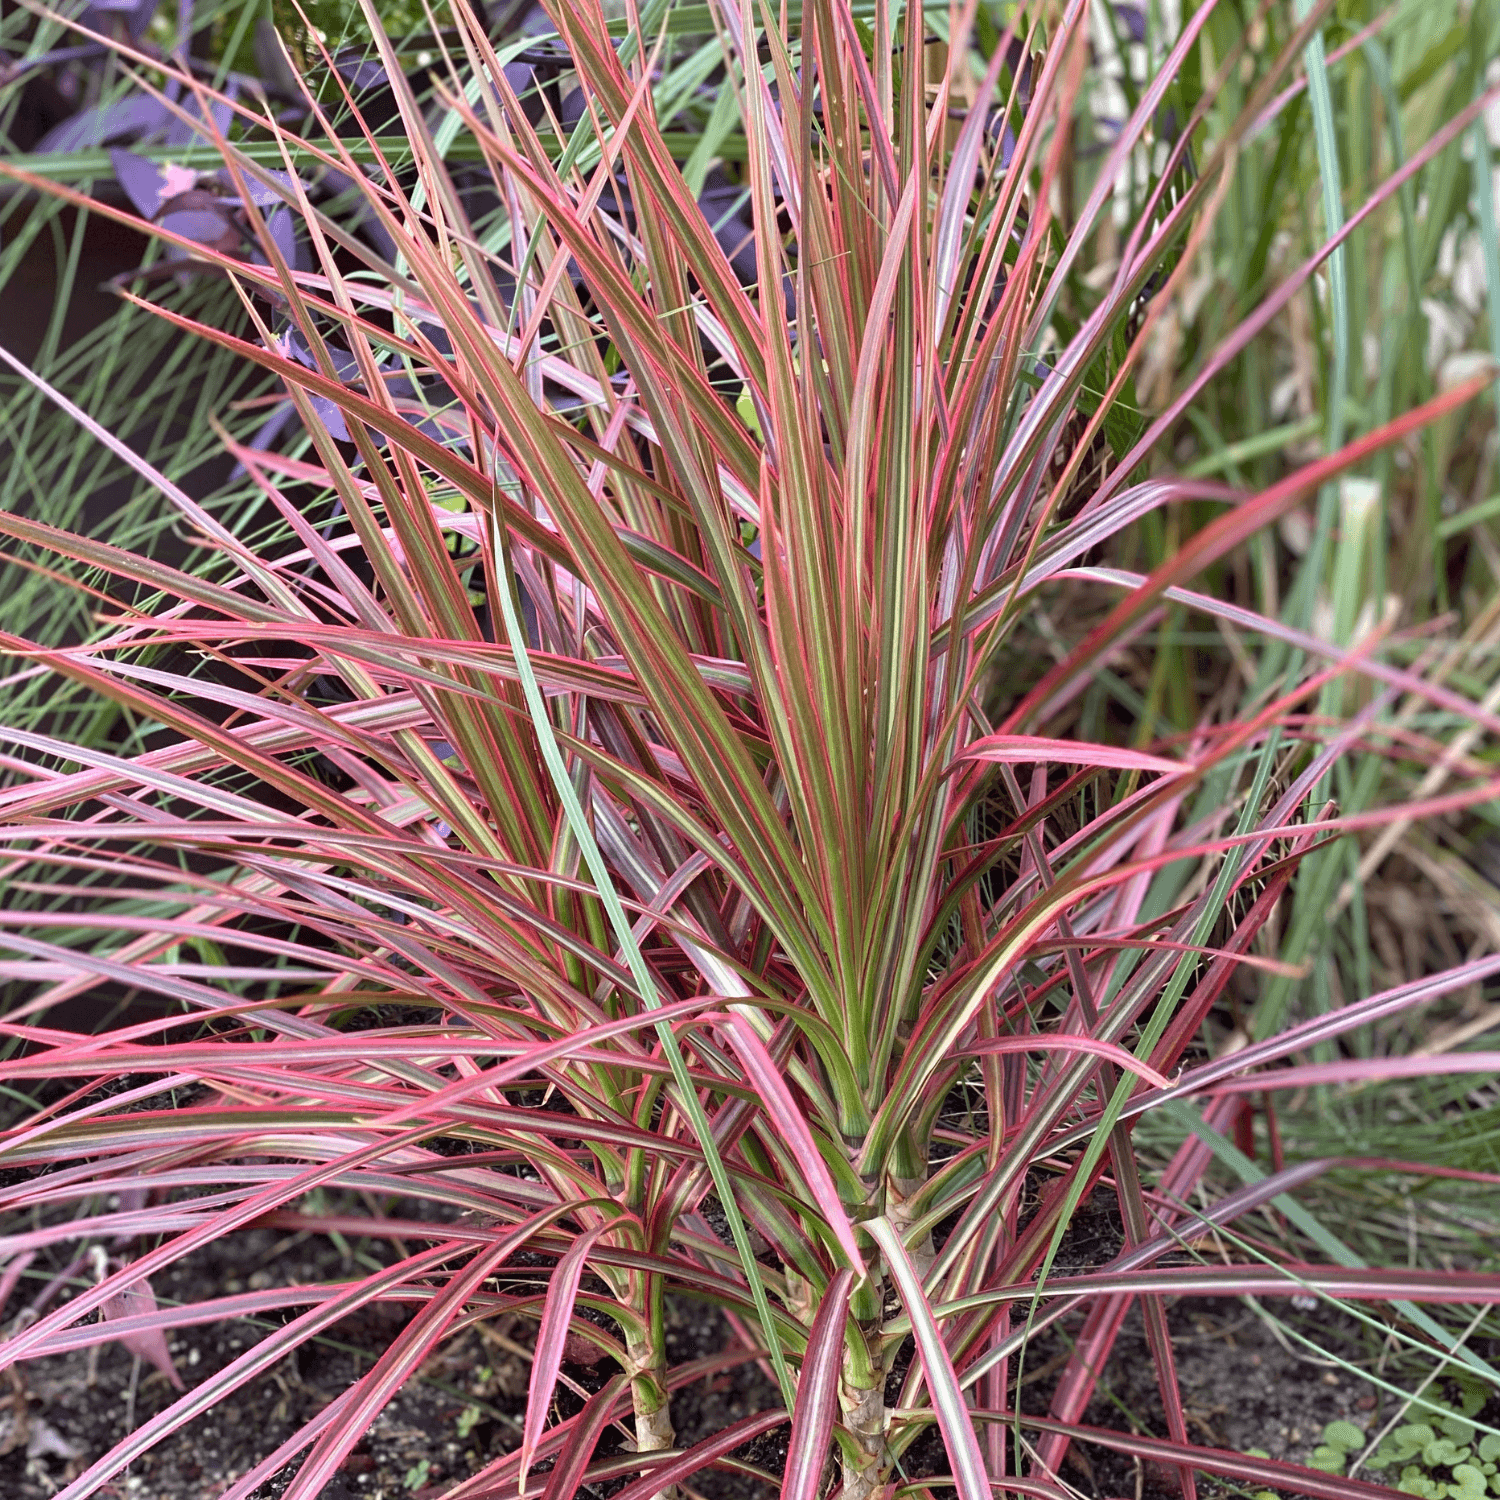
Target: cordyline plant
<point x="617" y="709"/>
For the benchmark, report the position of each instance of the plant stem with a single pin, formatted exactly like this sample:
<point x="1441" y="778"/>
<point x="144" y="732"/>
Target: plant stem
<point x="862" y="1390"/>
<point x="648" y="1387"/>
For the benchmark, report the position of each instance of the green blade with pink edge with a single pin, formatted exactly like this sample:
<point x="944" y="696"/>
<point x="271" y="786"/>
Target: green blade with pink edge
<point x="557" y="1314"/>
<point x="687" y="1099"/>
<point x="818" y="1393"/>
<point x="559" y="674"/>
<point x="969" y="1476"/>
<point x="1017" y="937"/>
<point x="371" y="649"/>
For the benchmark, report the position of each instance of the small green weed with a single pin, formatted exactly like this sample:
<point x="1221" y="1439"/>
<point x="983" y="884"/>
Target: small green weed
<point x="1340" y="1439"/>
<point x="1442" y="1459"/>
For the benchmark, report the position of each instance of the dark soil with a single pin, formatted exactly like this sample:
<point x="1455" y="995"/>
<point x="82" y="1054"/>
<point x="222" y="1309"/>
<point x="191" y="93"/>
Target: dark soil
<point x="1245" y="1385"/>
<point x="463" y="1411"/>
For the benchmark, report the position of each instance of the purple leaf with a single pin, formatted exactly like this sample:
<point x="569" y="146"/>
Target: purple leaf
<point x="279" y="227"/>
<point x="257" y="192"/>
<point x="358" y="71"/>
<point x="140" y="178"/>
<point x="817" y="1393"/>
<point x="136" y="1300"/>
<point x="267" y="432"/>
<point x="1132" y="21"/>
<point x="331" y="417"/>
<point x="200" y="224"/>
<point x="135" y="115"/>
<point x="180" y="133"/>
<point x="137" y="14"/>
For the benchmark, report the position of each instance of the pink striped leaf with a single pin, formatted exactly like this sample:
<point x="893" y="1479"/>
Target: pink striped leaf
<point x="240" y="1371"/>
<point x="817" y="1393"/>
<point x="969" y="1476"/>
<point x="1027" y="749"/>
<point x="701" y="1455"/>
<point x="392" y="1370"/>
<point x="1357" y="1283"/>
<point x="568" y="1472"/>
<point x="794" y="1130"/>
<point x="1241" y="1467"/>
<point x="498" y="1480"/>
<point x="1362" y="1070"/>
<point x="551" y="1341"/>
<point x="1065" y="1042"/>
<point x="15" y="1268"/>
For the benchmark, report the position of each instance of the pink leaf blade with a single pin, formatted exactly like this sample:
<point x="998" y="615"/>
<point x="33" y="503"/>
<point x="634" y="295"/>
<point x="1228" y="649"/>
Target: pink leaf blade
<point x="246" y="1367"/>
<point x="700" y="1455"/>
<point x="551" y="1341"/>
<point x="1356" y="1283"/>
<point x="1357" y="1070"/>
<point x="392" y="1371"/>
<point x="818" y="1393"/>
<point x="1109" y="1051"/>
<point x="1242" y="1467"/>
<point x="567" y="1474"/>
<point x="1230" y="530"/>
<point x="957" y="1428"/>
<point x="794" y="1130"/>
<point x="1025" y="749"/>
<point x="15" y="1268"/>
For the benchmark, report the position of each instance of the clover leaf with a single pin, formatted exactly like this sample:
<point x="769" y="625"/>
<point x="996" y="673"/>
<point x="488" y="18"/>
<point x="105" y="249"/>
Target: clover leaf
<point x="1468" y="1483"/>
<point x="1329" y="1460"/>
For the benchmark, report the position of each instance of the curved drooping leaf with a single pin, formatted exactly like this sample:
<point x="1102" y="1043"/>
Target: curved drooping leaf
<point x="818" y="1393"/>
<point x="551" y="1340"/>
<point x="969" y="1476"/>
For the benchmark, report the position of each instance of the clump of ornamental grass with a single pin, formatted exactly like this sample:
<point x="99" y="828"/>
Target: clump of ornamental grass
<point x="615" y="717"/>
